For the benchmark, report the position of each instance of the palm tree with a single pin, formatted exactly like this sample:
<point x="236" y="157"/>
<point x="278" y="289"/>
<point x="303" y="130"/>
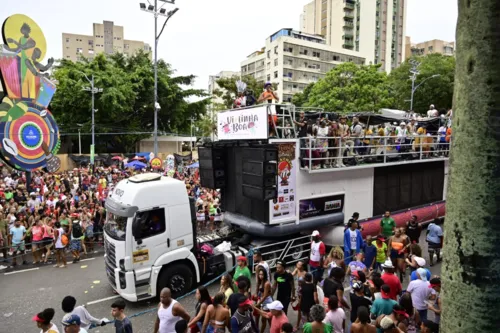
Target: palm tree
<point x="471" y="270"/>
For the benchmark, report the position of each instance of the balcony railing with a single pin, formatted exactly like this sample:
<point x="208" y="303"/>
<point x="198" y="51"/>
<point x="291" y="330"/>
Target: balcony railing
<point x="349" y="14"/>
<point x="335" y="153"/>
<point x="349" y="6"/>
<point x="348" y="24"/>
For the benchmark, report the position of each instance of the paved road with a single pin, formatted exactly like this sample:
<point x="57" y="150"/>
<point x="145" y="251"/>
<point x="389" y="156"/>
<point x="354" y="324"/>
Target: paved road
<point x="24" y="292"/>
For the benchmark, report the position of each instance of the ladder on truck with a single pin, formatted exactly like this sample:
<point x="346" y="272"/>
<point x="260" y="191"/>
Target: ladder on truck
<point x="282" y="117"/>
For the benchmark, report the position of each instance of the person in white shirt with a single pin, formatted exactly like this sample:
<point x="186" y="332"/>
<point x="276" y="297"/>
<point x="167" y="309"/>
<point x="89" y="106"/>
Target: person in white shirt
<point x="432" y="113"/>
<point x="420" y="293"/>
<point x="86" y="319"/>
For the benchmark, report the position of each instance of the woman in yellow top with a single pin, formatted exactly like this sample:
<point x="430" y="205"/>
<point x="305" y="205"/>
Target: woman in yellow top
<point x="396" y="251"/>
<point x="226" y="286"/>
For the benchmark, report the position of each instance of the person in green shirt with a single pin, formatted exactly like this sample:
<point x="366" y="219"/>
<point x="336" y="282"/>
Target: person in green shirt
<point x="381" y="247"/>
<point x="317" y="314"/>
<point x="241" y="269"/>
<point x="387" y="225"/>
<point x="8" y="194"/>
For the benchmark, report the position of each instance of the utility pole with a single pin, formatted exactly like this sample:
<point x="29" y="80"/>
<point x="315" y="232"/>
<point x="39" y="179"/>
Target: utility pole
<point x="79" y="142"/>
<point x="93" y="90"/>
<point x="157" y="12"/>
<point x="191" y="137"/>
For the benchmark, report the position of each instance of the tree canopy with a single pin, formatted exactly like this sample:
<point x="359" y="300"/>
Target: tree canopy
<point x="437" y="90"/>
<point x="348" y="88"/>
<point x="227" y="90"/>
<point x="126" y="103"/>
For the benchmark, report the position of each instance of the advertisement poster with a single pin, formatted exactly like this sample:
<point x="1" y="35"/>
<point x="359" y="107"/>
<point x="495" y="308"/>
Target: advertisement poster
<point x="242" y="124"/>
<point x="321" y="206"/>
<point x="284" y="207"/>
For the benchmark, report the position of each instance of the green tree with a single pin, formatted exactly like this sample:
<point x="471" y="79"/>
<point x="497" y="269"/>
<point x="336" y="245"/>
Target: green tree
<point x="471" y="268"/>
<point x="126" y="103"/>
<point x="227" y="90"/>
<point x="300" y="99"/>
<point x="437" y="90"/>
<point x="351" y="88"/>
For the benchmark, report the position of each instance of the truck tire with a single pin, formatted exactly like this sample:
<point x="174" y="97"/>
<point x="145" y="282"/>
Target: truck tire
<point x="178" y="278"/>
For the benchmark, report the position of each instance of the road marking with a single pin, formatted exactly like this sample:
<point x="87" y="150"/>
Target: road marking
<point x="71" y="263"/>
<point x="103" y="299"/>
<point x="24" y="270"/>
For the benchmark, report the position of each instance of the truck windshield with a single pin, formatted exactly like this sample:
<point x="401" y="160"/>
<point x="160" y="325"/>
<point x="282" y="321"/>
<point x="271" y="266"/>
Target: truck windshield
<point x="116" y="226"/>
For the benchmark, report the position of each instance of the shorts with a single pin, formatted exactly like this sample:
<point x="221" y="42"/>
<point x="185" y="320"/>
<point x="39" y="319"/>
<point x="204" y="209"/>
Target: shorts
<point x="75" y="245"/>
<point x="396" y="255"/>
<point x="47" y="241"/>
<point x="18" y="247"/>
<point x="36" y="244"/>
<point x="89" y="232"/>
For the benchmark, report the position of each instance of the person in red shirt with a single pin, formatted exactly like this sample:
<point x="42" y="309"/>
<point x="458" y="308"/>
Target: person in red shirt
<point x="391" y="279"/>
<point x="318" y="251"/>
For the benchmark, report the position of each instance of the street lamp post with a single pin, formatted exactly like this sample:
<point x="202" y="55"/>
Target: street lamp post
<point x="413" y="88"/>
<point x="157" y="12"/>
<point x="93" y="90"/>
<point x="414" y="73"/>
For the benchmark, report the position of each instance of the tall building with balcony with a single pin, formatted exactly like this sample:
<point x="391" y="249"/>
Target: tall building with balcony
<point x="428" y="47"/>
<point x="213" y="86"/>
<point x="106" y="38"/>
<point x="293" y="60"/>
<point x="374" y="28"/>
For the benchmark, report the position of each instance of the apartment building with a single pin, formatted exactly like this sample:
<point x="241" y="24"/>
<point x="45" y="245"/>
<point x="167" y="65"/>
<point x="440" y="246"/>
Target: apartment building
<point x="374" y="28"/>
<point x="428" y="47"/>
<point x="106" y="38"/>
<point x="293" y="60"/>
<point x="212" y="84"/>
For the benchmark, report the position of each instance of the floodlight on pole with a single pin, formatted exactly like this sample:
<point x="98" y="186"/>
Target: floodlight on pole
<point x="153" y="9"/>
<point x="93" y="90"/>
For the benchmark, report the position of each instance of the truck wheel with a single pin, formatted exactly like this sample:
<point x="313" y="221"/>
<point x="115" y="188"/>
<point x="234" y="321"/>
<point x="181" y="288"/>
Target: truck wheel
<point x="178" y="278"/>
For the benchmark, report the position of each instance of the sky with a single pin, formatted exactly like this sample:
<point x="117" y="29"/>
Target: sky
<point x="206" y="37"/>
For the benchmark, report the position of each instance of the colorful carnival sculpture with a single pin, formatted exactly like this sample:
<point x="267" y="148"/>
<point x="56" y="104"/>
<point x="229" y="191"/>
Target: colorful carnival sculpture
<point x="29" y="136"/>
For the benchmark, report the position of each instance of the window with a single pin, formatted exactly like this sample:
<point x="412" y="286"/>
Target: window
<point x="268" y="77"/>
<point x="275" y="50"/>
<point x="91" y="51"/>
<point x="431" y="48"/>
<point x="269" y="54"/>
<point x="152" y="222"/>
<point x="67" y="40"/>
<point x="91" y="43"/>
<point x="275" y="62"/>
<point x="79" y="50"/>
<point x="276" y="74"/>
<point x="336" y="58"/>
<point x="125" y="46"/>
<point x="316" y="54"/>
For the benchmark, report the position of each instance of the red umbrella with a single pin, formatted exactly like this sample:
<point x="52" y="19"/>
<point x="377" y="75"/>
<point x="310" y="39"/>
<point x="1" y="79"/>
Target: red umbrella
<point x="117" y="158"/>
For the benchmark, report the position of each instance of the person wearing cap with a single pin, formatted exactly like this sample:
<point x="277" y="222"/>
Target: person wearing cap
<point x="435" y="283"/>
<point x="242" y="320"/>
<point x="416" y="263"/>
<point x="383" y="305"/>
<point x="276" y="315"/>
<point x="358" y="299"/>
<point x="353" y="242"/>
<point x="432" y="112"/>
<point x="402" y="134"/>
<point x="381" y="248"/>
<point x="391" y="279"/>
<point x="71" y="324"/>
<point x="283" y="282"/>
<point x="43" y="321"/>
<point x="241" y="270"/>
<point x="421" y="292"/>
<point x="84" y="317"/>
<point x="318" y="250"/>
<point x="392" y="323"/>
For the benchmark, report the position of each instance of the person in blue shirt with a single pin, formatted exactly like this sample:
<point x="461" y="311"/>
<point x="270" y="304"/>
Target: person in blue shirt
<point x="434" y="240"/>
<point x="353" y="242"/>
<point x="18" y="233"/>
<point x="370" y="253"/>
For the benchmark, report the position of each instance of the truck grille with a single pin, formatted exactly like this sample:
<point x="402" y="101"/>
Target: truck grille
<point x="110" y="261"/>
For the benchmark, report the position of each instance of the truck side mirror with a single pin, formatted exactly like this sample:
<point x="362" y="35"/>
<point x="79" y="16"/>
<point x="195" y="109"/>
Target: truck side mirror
<point x="136" y="230"/>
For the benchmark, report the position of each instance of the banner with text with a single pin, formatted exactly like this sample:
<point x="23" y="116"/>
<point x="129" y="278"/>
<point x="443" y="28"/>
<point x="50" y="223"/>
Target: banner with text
<point x="243" y="124"/>
<point x="284" y="207"/>
<point x="321" y="206"/>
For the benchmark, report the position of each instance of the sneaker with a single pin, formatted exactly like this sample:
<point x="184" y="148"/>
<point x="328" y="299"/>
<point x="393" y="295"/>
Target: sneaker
<point x="25" y="262"/>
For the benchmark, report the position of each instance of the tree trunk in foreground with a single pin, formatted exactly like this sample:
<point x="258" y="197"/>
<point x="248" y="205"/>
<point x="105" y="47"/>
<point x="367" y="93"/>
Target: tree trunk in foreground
<point x="471" y="269"/>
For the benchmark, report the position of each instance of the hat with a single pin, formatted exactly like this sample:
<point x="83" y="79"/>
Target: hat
<point x="402" y="124"/>
<point x="419" y="260"/>
<point x="387" y="264"/>
<point x="242" y="258"/>
<point x="386" y="323"/>
<point x="357" y="285"/>
<point x="435" y="282"/>
<point x="38" y="319"/>
<point x="276" y="305"/>
<point x="32" y="194"/>
<point x="315" y="233"/>
<point x="384" y="294"/>
<point x="422" y="273"/>
<point x="247" y="301"/>
<point x="280" y="262"/>
<point x="267" y="84"/>
<point x="71" y="319"/>
<point x="381" y="238"/>
<point x="401" y="312"/>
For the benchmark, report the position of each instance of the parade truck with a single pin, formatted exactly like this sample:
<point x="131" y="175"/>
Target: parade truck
<point x="272" y="196"/>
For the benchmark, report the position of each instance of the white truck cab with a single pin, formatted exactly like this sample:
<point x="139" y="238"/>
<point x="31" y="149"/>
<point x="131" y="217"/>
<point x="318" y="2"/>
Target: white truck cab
<point x="149" y="237"/>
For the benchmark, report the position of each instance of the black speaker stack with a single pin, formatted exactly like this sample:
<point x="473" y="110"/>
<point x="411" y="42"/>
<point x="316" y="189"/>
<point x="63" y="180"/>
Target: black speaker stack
<point x="259" y="172"/>
<point x="212" y="167"/>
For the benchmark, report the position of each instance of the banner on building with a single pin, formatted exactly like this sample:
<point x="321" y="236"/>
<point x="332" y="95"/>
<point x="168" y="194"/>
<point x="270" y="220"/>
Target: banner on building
<point x="241" y="124"/>
<point x="284" y="206"/>
<point x="321" y="206"/>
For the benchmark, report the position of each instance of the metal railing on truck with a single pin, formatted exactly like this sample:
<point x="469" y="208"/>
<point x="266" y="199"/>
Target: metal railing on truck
<point x="290" y="251"/>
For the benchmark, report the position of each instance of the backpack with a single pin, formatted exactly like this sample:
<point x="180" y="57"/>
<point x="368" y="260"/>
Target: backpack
<point x="77" y="230"/>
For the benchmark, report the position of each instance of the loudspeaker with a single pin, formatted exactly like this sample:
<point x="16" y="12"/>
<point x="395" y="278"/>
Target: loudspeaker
<point x="259" y="193"/>
<point x="212" y="167"/>
<point x="259" y="171"/>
